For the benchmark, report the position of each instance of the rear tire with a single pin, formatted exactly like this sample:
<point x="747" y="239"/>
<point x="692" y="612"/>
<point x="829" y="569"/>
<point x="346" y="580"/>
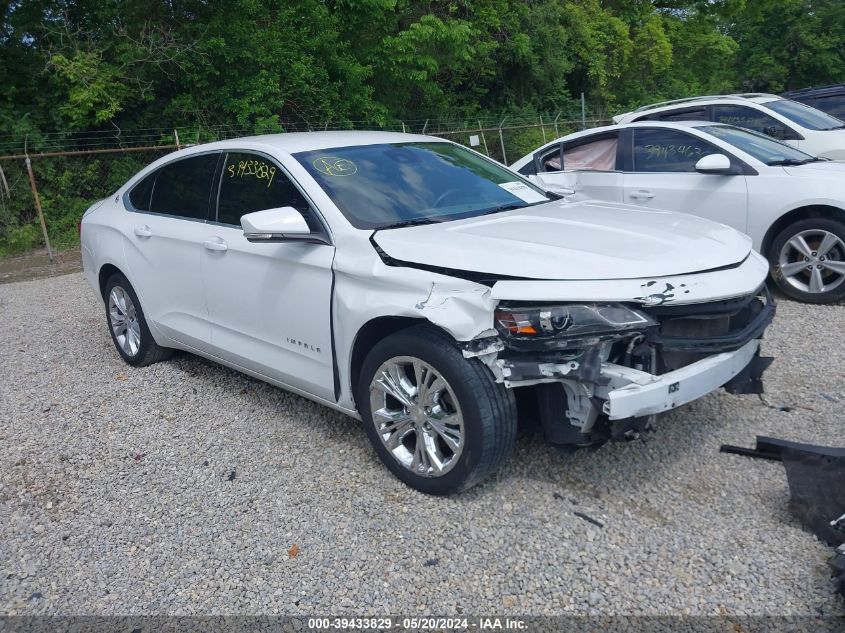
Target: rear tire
<point x="807" y="260"/>
<point x="447" y="435"/>
<point x="128" y="327"/>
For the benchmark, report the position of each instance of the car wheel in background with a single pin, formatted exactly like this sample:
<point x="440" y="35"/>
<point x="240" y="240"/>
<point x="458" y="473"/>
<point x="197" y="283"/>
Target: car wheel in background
<point x="437" y="420"/>
<point x="128" y="327"/>
<point x="807" y="260"/>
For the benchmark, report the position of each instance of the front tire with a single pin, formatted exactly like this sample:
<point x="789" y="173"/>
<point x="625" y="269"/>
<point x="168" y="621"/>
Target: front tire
<point x="807" y="260"/>
<point x="437" y="420"/>
<point x="128" y="327"/>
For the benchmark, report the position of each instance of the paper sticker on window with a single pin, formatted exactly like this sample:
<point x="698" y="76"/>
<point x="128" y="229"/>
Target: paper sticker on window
<point x="523" y="192"/>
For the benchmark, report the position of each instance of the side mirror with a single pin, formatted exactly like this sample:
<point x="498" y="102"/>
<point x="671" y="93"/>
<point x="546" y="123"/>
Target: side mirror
<point x="714" y="164"/>
<point x="275" y="225"/>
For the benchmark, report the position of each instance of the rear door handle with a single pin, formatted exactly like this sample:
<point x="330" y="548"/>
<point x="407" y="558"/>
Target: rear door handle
<point x="216" y="244"/>
<point x="642" y="195"/>
<point x="143" y="231"/>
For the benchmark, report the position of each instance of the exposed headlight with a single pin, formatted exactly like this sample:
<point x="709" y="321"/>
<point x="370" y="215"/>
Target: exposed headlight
<point x="579" y="321"/>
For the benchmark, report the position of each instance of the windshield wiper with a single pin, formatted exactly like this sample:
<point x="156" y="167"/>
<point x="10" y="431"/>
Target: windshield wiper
<point x="792" y="162"/>
<point x="414" y="222"/>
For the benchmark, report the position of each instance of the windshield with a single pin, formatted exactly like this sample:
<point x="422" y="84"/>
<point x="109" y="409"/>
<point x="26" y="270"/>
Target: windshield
<point x="763" y="148"/>
<point x="804" y="115"/>
<point x="397" y="184"/>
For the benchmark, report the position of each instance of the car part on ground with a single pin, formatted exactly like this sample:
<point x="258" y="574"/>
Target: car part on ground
<point x="837" y="566"/>
<point x="817" y="495"/>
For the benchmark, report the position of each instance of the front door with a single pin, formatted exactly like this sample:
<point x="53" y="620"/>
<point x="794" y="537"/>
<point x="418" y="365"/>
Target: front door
<point x="663" y="176"/>
<point x="269" y="304"/>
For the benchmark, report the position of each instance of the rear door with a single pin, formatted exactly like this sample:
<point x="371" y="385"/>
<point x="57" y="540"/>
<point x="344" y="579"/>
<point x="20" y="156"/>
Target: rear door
<point x="661" y="174"/>
<point x="163" y="243"/>
<point x="269" y="304"/>
<point x="587" y="164"/>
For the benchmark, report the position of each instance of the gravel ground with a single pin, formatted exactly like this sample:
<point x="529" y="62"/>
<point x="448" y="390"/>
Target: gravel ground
<point x="182" y="488"/>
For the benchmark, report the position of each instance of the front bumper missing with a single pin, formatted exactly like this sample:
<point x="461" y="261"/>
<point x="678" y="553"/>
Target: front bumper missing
<point x="634" y="393"/>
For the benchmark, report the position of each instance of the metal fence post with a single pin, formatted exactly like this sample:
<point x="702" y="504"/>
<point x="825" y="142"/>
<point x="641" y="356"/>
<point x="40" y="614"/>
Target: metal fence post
<point x="502" y="142"/>
<point x="583" y="113"/>
<point x="543" y="129"/>
<point x="557" y="134"/>
<point x="483" y="140"/>
<point x="38" y="207"/>
<point x="176" y="135"/>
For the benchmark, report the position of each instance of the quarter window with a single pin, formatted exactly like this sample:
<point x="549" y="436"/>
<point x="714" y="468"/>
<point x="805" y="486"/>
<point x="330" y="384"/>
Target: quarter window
<point x="749" y="118"/>
<point x="183" y="188"/>
<point x="142" y="192"/>
<point x="668" y="151"/>
<point x="251" y="183"/>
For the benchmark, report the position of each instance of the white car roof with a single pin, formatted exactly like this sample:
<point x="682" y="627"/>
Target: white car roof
<point x="735" y="99"/>
<point x="293" y="142"/>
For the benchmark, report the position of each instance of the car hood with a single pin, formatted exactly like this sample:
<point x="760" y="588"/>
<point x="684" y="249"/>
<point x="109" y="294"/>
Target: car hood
<point x="571" y="241"/>
<point x="821" y="169"/>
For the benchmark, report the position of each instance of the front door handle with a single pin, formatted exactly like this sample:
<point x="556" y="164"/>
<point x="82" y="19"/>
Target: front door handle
<point x="216" y="244"/>
<point x="143" y="231"/>
<point x="642" y="195"/>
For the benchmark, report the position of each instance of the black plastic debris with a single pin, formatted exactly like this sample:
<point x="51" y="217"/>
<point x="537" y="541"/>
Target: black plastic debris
<point x="837" y="566"/>
<point x="815" y="475"/>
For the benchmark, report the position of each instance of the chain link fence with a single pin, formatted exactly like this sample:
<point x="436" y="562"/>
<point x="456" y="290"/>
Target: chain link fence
<point x="71" y="172"/>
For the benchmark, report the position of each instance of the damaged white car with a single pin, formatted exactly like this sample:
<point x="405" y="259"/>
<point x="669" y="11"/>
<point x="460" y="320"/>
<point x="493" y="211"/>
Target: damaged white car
<point x="427" y="290"/>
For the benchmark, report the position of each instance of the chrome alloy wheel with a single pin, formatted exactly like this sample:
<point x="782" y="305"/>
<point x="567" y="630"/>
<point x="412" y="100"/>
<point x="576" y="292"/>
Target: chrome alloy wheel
<point x="124" y="321"/>
<point x="417" y="416"/>
<point x="813" y="261"/>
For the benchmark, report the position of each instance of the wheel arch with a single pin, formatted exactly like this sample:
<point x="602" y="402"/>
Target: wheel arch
<point x="371" y="333"/>
<point x="106" y="271"/>
<point x="800" y="213"/>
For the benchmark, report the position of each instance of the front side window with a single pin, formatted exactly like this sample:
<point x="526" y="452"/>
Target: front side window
<point x="251" y="182"/>
<point x="665" y="150"/>
<point x="183" y="187"/>
<point x="393" y="184"/>
<point x="743" y="116"/>
<point x="804" y="115"/>
<point x="762" y="147"/>
<point x="596" y="155"/>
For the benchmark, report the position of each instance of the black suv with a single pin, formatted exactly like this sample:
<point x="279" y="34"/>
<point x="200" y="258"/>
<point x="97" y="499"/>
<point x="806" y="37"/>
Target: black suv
<point x="830" y="99"/>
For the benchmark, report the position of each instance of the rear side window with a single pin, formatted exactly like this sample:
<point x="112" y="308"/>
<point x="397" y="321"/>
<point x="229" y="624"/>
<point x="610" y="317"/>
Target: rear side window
<point x="251" y="182"/>
<point x="751" y="119"/>
<point x="668" y="151"/>
<point x="183" y="188"/>
<point x="697" y="114"/>
<point x="142" y="192"/>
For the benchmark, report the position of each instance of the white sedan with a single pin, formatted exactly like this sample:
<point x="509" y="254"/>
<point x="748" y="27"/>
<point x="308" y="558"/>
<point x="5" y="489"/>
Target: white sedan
<point x="418" y="285"/>
<point x="790" y="203"/>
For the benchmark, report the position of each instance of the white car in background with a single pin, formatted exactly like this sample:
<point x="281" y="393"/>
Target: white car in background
<point x="802" y="126"/>
<point x="419" y="286"/>
<point x="792" y="204"/>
